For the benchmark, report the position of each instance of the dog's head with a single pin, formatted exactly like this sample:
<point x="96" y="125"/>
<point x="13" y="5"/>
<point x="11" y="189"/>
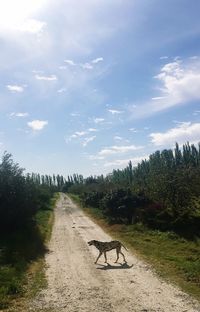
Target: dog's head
<point x="90" y="243"/>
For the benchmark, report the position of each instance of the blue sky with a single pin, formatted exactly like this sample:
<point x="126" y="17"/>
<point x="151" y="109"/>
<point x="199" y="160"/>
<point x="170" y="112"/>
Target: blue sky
<point x="86" y="86"/>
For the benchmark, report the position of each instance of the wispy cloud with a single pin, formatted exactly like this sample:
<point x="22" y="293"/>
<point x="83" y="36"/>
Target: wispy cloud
<point x="92" y="130"/>
<point x="196" y="112"/>
<point x="87" y="66"/>
<point x="61" y="90"/>
<point x="15" y="88"/>
<point x="76" y="135"/>
<point x="134" y="130"/>
<point x="22" y="115"/>
<point x="179" y="83"/>
<point x="124" y="162"/>
<point x="184" y="132"/>
<point x="114" y="111"/>
<point x="97" y="60"/>
<point x="47" y="78"/>
<point x="37" y="125"/>
<point x="75" y="114"/>
<point x="118" y="149"/>
<point x="156" y="98"/>
<point x="118" y="138"/>
<point x="88" y="140"/>
<point x="31" y="26"/>
<point x="70" y="62"/>
<point x="96" y="157"/>
<point x="98" y="120"/>
<point x="80" y="133"/>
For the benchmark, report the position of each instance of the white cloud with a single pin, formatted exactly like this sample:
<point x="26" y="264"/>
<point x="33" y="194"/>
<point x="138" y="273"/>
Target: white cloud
<point x="76" y="135"/>
<point x="184" y="132"/>
<point x="197" y="112"/>
<point x="70" y="62"/>
<point x="86" y="66"/>
<point x="118" y="149"/>
<point x="124" y="162"/>
<point x="37" y="125"/>
<point x="179" y="83"/>
<point x="114" y="111"/>
<point x="15" y="15"/>
<point x="133" y="130"/>
<point x="156" y="98"/>
<point x="97" y="60"/>
<point x="47" y="78"/>
<point x="163" y="57"/>
<point x="19" y="114"/>
<point x="96" y="157"/>
<point x="194" y="57"/>
<point x="118" y="138"/>
<point x="15" y="88"/>
<point x="31" y="26"/>
<point x="75" y="114"/>
<point x="37" y="71"/>
<point x="92" y="130"/>
<point x="80" y="133"/>
<point x="98" y="120"/>
<point x="88" y="140"/>
<point x="62" y="90"/>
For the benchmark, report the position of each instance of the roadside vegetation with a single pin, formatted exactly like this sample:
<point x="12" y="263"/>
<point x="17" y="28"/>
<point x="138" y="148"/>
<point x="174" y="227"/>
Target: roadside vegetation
<point x="26" y="217"/>
<point x="155" y="208"/>
<point x="173" y="257"/>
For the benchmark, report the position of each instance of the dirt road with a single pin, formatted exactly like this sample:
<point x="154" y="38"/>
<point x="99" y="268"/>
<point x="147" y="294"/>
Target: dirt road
<point x="76" y="284"/>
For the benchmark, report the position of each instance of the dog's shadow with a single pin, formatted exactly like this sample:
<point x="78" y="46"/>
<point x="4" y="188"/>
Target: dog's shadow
<point x="108" y="266"/>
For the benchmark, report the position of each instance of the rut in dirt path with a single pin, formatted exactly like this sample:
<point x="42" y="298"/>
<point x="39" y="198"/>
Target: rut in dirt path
<point x="76" y="284"/>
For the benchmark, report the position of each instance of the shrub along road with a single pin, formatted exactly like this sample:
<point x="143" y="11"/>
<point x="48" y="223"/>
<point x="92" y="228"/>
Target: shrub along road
<point x="75" y="283"/>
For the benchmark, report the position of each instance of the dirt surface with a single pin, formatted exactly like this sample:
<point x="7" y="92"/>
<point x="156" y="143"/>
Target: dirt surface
<point x="76" y="284"/>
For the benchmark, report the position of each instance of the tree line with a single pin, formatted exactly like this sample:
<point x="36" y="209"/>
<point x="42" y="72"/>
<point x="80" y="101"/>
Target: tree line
<point x="23" y="195"/>
<point x="162" y="192"/>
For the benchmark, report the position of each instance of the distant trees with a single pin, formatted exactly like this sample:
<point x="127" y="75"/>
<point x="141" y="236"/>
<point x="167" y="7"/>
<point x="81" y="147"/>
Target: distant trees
<point x="163" y="191"/>
<point x="21" y="196"/>
<point x="17" y="195"/>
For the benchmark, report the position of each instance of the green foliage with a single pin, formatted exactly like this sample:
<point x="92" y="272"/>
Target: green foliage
<point x="172" y="256"/>
<point x="25" y="214"/>
<point x="164" y="191"/>
<point x="122" y="206"/>
<point x="17" y="205"/>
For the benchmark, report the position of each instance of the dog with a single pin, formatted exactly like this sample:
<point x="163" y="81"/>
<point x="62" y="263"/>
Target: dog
<point x="103" y="247"/>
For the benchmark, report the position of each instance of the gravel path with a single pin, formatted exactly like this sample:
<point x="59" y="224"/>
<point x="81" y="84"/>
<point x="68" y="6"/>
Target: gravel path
<point x="76" y="284"/>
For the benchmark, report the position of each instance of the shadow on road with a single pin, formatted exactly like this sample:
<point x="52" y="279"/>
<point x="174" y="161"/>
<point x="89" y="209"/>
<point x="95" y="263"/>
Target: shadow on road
<point x="114" y="267"/>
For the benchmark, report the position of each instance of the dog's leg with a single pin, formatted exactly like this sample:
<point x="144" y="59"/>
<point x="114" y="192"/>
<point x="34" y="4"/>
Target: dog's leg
<point x="122" y="255"/>
<point x="117" y="251"/>
<point x="105" y="256"/>
<point x="100" y="253"/>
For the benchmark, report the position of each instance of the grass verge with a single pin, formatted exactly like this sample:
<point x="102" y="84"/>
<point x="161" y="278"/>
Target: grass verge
<point x="22" y="261"/>
<point x="171" y="256"/>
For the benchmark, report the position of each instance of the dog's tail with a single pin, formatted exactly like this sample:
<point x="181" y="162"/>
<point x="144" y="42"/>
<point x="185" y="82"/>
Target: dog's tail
<point x="124" y="247"/>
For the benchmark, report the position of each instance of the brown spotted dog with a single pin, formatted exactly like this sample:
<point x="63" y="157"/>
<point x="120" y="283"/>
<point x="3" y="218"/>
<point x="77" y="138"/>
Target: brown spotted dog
<point x="103" y="247"/>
